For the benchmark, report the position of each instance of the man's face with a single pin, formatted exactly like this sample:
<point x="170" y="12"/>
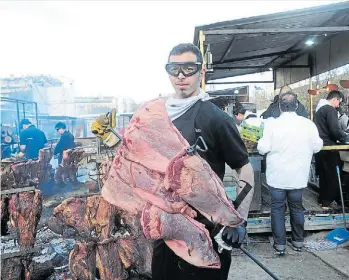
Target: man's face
<point x="336" y="102"/>
<point x="240" y="117"/>
<point x="60" y="131"/>
<point x="25" y="126"/>
<point x="186" y="86"/>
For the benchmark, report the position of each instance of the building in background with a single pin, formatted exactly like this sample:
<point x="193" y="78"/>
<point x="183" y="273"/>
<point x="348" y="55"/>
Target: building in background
<point x="94" y="105"/>
<point x="54" y="96"/>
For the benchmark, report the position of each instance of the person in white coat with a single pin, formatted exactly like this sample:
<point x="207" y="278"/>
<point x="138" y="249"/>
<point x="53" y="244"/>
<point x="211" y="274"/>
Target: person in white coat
<point x="289" y="143"/>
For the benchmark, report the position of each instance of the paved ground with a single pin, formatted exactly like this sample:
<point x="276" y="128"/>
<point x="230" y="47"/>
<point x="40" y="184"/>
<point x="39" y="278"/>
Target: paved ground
<point x="294" y="265"/>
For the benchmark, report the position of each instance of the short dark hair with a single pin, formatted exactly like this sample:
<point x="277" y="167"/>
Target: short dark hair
<point x="24" y="122"/>
<point x="60" y="125"/>
<point x="288" y="102"/>
<point x="238" y="109"/>
<point x="335" y="94"/>
<point x="187" y="47"/>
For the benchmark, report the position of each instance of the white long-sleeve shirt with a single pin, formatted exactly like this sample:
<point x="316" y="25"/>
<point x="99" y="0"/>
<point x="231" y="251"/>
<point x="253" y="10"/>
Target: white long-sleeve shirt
<point x="289" y="142"/>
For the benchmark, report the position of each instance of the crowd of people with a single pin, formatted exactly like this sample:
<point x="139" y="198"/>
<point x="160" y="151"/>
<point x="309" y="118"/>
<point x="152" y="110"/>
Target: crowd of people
<point x="290" y="139"/>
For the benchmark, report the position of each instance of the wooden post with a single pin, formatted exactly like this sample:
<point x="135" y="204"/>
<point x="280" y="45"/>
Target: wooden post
<point x="202" y="50"/>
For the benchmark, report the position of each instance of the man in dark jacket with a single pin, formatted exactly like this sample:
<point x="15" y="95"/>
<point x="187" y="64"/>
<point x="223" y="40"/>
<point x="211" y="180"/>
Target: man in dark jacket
<point x="273" y="111"/>
<point x="65" y="142"/>
<point x="32" y="139"/>
<point x="194" y="116"/>
<point x="326" y="120"/>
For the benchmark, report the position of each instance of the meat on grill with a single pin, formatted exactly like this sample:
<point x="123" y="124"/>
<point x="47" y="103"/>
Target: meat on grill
<point x="101" y="217"/>
<point x="7" y="176"/>
<point x="71" y="213"/>
<point x="82" y="261"/>
<point x="109" y="263"/>
<point x="5" y="215"/>
<point x="12" y="269"/>
<point x="25" y="212"/>
<point x="69" y="166"/>
<point x="115" y="238"/>
<point x="152" y="166"/>
<point x="26" y="173"/>
<point x="104" y="169"/>
<point x="136" y="253"/>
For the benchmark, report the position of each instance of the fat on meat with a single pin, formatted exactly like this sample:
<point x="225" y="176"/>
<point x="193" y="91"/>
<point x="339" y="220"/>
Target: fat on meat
<point x="188" y="238"/>
<point x="197" y="184"/>
<point x="152" y="167"/>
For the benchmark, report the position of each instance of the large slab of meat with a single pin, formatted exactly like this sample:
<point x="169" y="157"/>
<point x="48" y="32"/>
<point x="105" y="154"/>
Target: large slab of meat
<point x="19" y="174"/>
<point x="153" y="174"/>
<point x="110" y="243"/>
<point x="25" y="212"/>
<point x="69" y="166"/>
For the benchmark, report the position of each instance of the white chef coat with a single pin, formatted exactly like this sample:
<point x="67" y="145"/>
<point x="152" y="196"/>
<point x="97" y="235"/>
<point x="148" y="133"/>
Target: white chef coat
<point x="289" y="142"/>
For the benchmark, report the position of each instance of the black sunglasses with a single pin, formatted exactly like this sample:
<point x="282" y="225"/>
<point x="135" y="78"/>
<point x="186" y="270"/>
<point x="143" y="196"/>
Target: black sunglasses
<point x="186" y="68"/>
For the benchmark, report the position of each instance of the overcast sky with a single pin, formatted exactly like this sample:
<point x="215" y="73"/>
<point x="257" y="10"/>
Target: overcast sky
<point x="112" y="47"/>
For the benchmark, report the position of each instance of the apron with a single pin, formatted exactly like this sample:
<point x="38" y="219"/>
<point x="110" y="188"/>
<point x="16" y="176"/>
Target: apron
<point x="166" y="265"/>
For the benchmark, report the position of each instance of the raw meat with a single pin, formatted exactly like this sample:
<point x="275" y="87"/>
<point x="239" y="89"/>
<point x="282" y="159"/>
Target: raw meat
<point x="153" y="166"/>
<point x="117" y="189"/>
<point x="82" y="261"/>
<point x="133" y="184"/>
<point x="196" y="183"/>
<point x="186" y="237"/>
<point x="25" y="212"/>
<point x="151" y="139"/>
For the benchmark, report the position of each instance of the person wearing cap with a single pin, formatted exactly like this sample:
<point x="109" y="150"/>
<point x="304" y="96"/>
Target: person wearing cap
<point x="32" y="139"/>
<point x="65" y="142"/>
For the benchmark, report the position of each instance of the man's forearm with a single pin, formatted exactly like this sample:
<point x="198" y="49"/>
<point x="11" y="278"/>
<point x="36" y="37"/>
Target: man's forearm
<point x="246" y="174"/>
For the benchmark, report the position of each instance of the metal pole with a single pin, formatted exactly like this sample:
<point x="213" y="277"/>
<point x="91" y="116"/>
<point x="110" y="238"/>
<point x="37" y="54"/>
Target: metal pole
<point x="36" y="115"/>
<point x="311" y="99"/>
<point x="261" y="265"/>
<point x="18" y="119"/>
<point x="202" y="50"/>
<point x="23" y="110"/>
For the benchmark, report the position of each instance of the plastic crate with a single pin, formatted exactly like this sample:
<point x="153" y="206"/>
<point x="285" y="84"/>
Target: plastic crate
<point x="251" y="132"/>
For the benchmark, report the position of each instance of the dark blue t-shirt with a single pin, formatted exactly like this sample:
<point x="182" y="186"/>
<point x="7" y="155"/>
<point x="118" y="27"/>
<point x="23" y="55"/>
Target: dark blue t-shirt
<point x="34" y="139"/>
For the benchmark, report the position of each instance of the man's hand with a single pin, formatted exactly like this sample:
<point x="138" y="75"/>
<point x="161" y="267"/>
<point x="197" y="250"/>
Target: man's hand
<point x="234" y="236"/>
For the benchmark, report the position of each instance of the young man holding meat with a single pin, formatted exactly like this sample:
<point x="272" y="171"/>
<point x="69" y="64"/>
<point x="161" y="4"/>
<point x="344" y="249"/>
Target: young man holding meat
<point x="195" y="116"/>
